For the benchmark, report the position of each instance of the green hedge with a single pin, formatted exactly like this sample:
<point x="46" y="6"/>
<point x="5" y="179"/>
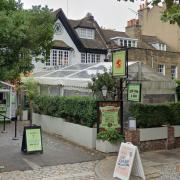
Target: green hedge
<point x="80" y="110"/>
<point x="156" y="115"/>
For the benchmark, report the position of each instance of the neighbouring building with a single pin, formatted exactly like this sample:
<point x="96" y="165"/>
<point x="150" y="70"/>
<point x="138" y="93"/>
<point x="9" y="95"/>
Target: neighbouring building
<point x="83" y="41"/>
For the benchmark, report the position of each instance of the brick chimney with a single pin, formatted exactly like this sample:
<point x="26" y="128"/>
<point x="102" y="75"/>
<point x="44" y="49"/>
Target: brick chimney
<point x="133" y="29"/>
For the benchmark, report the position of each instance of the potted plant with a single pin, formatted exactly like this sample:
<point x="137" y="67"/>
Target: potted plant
<point x="109" y="141"/>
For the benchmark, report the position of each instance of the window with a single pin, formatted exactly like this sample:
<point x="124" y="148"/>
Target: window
<point x="48" y="62"/>
<point x="58" y="58"/>
<point x="93" y="60"/>
<point x="126" y="42"/>
<point x="129" y="43"/>
<point x="90" y="58"/>
<point x="54" y="58"/>
<point x="83" y="57"/>
<point x="97" y="57"/>
<point x="159" y="46"/>
<point x="66" y="58"/>
<point x="161" y="69"/>
<point x="174" y="72"/>
<point x="121" y="42"/>
<point x="85" y="33"/>
<point x="58" y="28"/>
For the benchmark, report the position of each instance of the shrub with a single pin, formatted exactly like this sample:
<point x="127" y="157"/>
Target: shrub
<point x="111" y="135"/>
<point x="149" y="115"/>
<point x="80" y="110"/>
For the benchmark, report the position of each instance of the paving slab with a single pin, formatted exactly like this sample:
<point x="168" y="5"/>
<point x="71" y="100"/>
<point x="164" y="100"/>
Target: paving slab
<point x="56" y="150"/>
<point x="157" y="165"/>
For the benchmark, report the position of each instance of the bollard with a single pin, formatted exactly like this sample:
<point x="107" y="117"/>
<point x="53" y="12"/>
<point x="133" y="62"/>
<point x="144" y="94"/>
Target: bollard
<point x="4" y="125"/>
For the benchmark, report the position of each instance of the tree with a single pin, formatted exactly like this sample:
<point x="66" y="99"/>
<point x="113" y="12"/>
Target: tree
<point x="105" y="79"/>
<point x="30" y="86"/>
<point x="171" y="13"/>
<point x="24" y="34"/>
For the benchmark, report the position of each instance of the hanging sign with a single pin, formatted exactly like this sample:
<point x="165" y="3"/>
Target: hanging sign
<point x="119" y="63"/>
<point x="134" y="92"/>
<point x="32" y="139"/>
<point x="128" y="163"/>
<point x="110" y="117"/>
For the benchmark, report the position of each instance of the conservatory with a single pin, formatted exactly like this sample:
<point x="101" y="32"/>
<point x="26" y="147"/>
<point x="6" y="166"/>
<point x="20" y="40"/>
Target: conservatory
<point x="74" y="79"/>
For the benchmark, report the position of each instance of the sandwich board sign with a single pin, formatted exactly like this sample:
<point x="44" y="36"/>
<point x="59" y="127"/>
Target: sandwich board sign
<point x="32" y="140"/>
<point x="128" y="163"/>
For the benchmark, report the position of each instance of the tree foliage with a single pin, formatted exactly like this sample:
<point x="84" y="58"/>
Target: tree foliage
<point x="100" y="80"/>
<point x="171" y="13"/>
<point x="23" y="34"/>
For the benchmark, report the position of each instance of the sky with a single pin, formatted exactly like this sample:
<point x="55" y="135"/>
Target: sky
<point x="109" y="14"/>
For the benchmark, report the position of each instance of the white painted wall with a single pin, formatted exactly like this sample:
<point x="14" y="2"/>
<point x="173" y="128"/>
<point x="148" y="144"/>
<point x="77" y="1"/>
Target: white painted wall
<point x="64" y="36"/>
<point x="75" y="55"/>
<point x="81" y="135"/>
<point x="176" y="131"/>
<point x="148" y="134"/>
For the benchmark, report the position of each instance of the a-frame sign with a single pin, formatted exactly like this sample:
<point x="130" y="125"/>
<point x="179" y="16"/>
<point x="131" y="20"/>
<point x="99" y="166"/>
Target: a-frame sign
<point x="32" y="140"/>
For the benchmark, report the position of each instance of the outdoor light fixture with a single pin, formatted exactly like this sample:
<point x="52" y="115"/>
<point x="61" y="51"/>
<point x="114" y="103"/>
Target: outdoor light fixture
<point x="104" y="91"/>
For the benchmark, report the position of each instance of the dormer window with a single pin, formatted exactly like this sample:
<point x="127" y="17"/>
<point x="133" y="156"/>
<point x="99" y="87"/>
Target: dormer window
<point x="159" y="46"/>
<point x="85" y="33"/>
<point x="125" y="42"/>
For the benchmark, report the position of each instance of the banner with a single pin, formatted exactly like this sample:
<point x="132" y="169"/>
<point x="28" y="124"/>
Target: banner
<point x="119" y="63"/>
<point x="109" y="117"/>
<point x="134" y="92"/>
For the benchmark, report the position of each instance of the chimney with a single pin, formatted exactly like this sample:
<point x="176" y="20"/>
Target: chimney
<point x="133" y="28"/>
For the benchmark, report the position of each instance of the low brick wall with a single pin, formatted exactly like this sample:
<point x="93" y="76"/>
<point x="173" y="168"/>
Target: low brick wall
<point x="144" y="139"/>
<point x="152" y="145"/>
<point x="177" y="142"/>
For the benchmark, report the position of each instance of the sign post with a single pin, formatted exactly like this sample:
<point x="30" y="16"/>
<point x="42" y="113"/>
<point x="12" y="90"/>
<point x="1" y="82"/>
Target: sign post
<point x="120" y="69"/>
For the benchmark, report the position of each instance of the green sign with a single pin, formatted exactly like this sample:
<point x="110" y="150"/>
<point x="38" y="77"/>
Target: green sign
<point x="110" y="117"/>
<point x="119" y="63"/>
<point x="33" y="139"/>
<point x="134" y="92"/>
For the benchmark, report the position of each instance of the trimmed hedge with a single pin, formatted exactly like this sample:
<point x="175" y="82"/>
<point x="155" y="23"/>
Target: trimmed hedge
<point x="148" y="116"/>
<point x="80" y="110"/>
<point x="83" y="110"/>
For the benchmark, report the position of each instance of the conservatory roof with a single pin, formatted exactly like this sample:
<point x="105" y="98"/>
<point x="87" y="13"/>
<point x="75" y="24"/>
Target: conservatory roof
<point x="79" y="75"/>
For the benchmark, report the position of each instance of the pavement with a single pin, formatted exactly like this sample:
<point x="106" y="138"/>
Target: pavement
<point x="64" y="160"/>
<point x="157" y="165"/>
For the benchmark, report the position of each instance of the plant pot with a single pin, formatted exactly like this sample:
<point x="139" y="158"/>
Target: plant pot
<point x="107" y="147"/>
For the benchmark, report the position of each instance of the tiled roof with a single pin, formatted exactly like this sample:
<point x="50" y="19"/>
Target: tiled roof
<point x="151" y="39"/>
<point x="111" y="33"/>
<point x="93" y="43"/>
<point x="89" y="22"/>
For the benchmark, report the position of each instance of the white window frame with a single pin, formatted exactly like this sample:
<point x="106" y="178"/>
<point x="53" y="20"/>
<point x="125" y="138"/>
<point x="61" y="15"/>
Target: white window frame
<point x="59" y="58"/>
<point x="161" y="69"/>
<point x="90" y="58"/>
<point x="127" y="42"/>
<point x="86" y="33"/>
<point x="173" y="71"/>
